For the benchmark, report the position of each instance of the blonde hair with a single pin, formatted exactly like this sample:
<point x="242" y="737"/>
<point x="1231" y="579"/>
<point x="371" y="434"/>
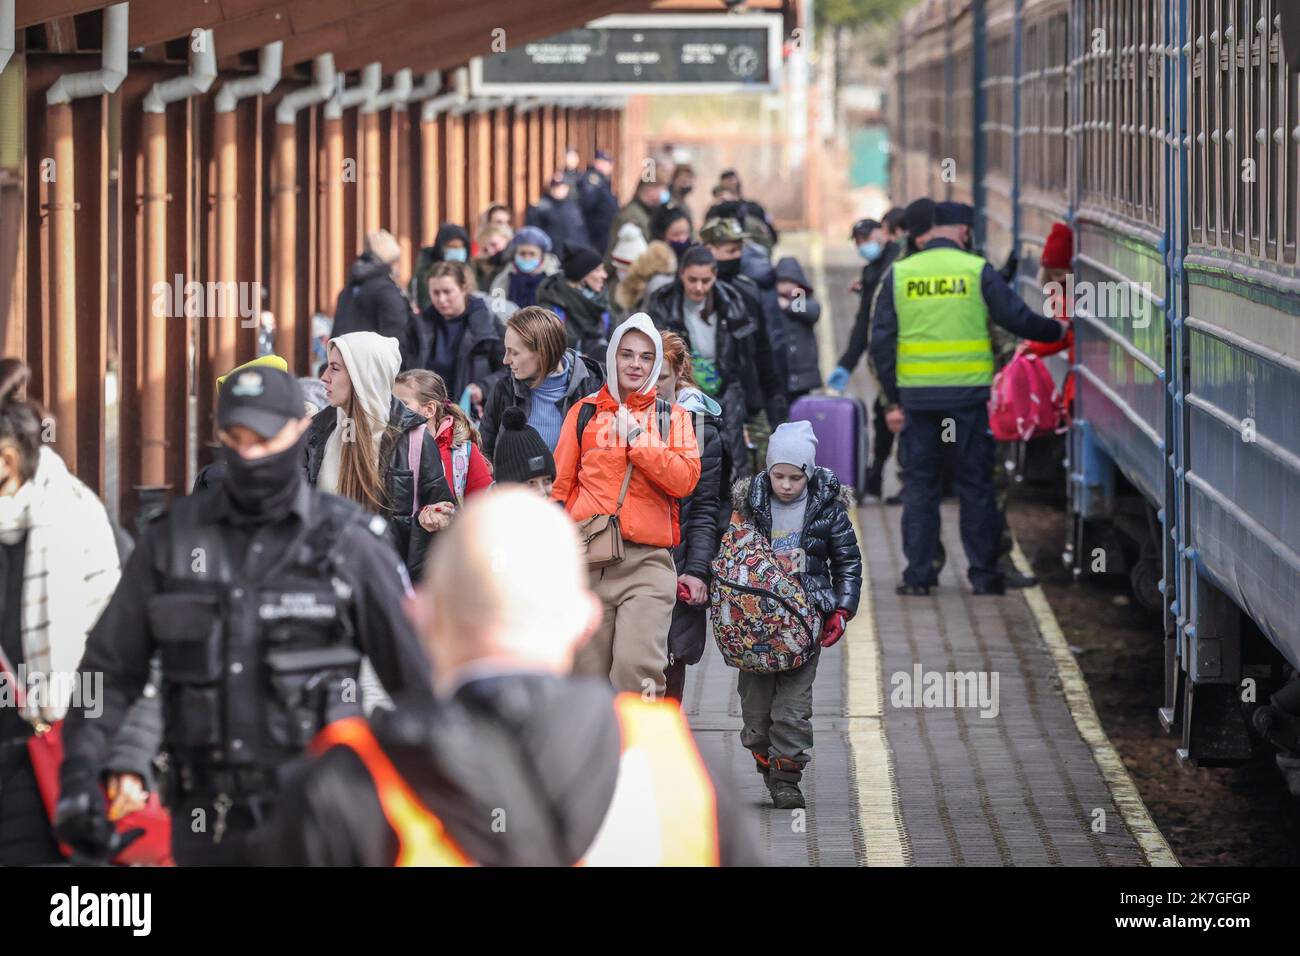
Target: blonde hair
<point x="543" y="333"/>
<point x="360" y="478"/>
<point x="429" y="387"/>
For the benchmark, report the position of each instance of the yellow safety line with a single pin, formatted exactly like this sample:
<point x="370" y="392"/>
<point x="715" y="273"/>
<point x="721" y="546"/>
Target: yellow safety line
<point x="1077" y="697"/>
<point x="884" y="834"/>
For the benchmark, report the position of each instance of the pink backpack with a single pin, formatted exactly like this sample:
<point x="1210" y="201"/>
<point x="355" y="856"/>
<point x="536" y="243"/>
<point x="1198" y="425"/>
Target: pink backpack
<point x="1025" y="403"/>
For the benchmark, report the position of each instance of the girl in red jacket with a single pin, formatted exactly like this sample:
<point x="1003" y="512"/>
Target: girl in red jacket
<point x="425" y="393"/>
<point x="1055" y="266"/>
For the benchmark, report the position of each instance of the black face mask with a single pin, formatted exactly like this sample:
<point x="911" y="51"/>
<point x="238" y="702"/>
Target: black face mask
<point x="263" y="489"/>
<point x="728" y="268"/>
<point x="680" y="247"/>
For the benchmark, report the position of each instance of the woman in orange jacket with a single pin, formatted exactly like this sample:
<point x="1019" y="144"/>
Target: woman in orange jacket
<point x="624" y="424"/>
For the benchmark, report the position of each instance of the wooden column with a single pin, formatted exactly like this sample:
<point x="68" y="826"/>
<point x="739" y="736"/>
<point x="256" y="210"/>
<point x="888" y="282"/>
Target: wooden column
<point x="520" y="154"/>
<point x="478" y="165"/>
<point x="334" y="220"/>
<point x="399" y="175"/>
<point x="454" y="166"/>
<point x="502" y="158"/>
<point x="369" y="189"/>
<point x="430" y="186"/>
<point x="547" y="119"/>
<point x="284" y="237"/>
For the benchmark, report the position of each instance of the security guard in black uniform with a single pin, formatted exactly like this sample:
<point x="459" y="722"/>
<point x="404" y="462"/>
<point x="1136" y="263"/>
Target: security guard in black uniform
<point x="932" y="353"/>
<point x="261" y="595"/>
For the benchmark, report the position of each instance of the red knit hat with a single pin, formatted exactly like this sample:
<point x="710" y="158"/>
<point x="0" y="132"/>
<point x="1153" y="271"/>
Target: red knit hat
<point x="1058" y="250"/>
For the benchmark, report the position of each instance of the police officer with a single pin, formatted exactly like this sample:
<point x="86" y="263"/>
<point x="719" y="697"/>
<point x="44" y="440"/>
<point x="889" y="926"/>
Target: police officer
<point x="931" y="349"/>
<point x="528" y="765"/>
<point x="596" y="199"/>
<point x="260" y="594"/>
<point x="1004" y="346"/>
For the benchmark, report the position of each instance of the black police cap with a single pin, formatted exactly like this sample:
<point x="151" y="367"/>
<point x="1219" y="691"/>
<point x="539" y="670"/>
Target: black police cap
<point x="918" y="217"/>
<point x="954" y="214"/>
<point x="261" y="398"/>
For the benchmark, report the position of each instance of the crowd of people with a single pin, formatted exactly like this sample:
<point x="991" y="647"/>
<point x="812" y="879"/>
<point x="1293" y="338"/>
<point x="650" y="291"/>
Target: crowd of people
<point x="355" y="641"/>
<point x="623" y="368"/>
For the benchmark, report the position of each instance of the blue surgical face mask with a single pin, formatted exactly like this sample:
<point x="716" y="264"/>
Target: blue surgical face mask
<point x="455" y="255"/>
<point x="527" y="263"/>
<point x="588" y="293"/>
<point x="664" y="196"/>
<point x="870" y="250"/>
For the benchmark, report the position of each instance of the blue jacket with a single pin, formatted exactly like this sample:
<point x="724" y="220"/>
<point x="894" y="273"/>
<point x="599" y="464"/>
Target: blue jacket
<point x="1005" y="308"/>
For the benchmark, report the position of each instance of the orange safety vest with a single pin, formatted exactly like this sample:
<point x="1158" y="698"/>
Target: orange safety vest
<point x="660" y="771"/>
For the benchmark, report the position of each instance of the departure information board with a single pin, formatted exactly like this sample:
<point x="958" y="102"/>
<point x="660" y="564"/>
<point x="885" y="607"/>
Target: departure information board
<point x="705" y="53"/>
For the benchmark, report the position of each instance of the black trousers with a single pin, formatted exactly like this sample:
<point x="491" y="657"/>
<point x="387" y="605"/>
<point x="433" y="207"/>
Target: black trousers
<point x="26" y="837"/>
<point x="882" y="443"/>
<point x="928" y="438"/>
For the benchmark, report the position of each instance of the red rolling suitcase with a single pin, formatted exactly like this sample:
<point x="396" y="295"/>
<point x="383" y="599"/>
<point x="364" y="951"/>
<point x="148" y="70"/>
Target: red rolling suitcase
<point x="840" y="422"/>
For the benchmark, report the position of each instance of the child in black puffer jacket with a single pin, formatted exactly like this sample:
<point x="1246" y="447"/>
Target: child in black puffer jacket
<point x="803" y="511"/>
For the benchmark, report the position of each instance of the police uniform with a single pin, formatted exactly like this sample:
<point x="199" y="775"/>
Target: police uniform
<point x="260" y="621"/>
<point x="933" y="356"/>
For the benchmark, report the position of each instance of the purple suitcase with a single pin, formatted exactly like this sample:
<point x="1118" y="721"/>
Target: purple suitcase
<point x="840" y="422"/>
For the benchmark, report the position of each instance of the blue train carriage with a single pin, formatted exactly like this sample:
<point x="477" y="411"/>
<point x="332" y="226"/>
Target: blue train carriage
<point x="1120" y="97"/>
<point x="1041" y="189"/>
<point x="1237" y="407"/>
<point x="925" y="116"/>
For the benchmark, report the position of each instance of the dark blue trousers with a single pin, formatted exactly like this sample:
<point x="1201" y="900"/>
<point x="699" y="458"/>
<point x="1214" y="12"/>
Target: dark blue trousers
<point x="927" y="439"/>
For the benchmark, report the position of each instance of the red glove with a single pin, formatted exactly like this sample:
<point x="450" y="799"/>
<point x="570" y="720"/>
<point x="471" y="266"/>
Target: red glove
<point x="683" y="593"/>
<point x="833" y="629"/>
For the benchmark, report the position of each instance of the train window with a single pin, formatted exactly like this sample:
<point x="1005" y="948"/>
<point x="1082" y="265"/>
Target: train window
<point x="1244" y="105"/>
<point x="999" y="128"/>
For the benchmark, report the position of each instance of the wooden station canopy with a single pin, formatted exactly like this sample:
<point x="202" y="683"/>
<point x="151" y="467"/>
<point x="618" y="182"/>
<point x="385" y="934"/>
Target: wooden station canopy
<point x="114" y="201"/>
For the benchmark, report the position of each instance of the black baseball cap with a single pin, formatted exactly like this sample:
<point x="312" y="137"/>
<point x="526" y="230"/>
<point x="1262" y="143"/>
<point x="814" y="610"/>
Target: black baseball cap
<point x="864" y="227"/>
<point x="261" y="398"/>
<point x="918" y="217"/>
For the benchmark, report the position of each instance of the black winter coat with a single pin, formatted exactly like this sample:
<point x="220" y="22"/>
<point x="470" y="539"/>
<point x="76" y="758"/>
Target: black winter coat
<point x="599" y="207"/>
<point x="561" y="220"/>
<point x="546" y="747"/>
<point x="409" y="539"/>
<point x="833" y="569"/>
<point x="700" y="511"/>
<point x="802" y="366"/>
<point x="749" y="380"/>
<point x="585" y="379"/>
<point x="482" y="347"/>
<point x="872" y="273"/>
<point x="371" y="302"/>
<point x="586" y="321"/>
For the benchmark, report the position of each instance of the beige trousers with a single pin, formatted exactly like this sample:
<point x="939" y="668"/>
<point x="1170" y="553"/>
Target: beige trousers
<point x="631" y="645"/>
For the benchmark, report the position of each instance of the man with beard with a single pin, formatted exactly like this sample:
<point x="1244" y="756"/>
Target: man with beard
<point x="260" y="595"/>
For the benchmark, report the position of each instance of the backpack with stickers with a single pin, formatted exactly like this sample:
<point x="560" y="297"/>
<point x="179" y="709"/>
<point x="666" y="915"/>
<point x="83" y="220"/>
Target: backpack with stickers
<point x="762" y="617"/>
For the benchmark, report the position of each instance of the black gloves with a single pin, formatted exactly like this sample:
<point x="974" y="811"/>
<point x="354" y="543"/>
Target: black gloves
<point x="81" y="820"/>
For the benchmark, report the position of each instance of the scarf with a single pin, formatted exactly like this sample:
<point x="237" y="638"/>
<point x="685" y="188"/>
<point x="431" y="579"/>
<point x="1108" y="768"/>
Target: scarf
<point x="523" y="286"/>
<point x="71" y="570"/>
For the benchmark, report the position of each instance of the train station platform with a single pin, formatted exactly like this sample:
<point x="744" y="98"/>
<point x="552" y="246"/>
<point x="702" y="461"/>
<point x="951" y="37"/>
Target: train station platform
<point x="1023" y="775"/>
